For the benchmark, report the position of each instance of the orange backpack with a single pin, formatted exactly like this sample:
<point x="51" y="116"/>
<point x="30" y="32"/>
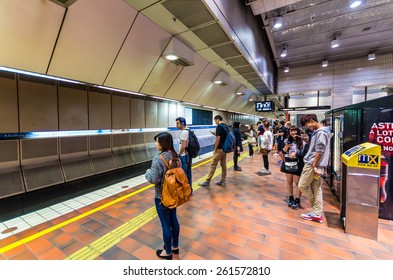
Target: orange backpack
<point x="175" y="190"/>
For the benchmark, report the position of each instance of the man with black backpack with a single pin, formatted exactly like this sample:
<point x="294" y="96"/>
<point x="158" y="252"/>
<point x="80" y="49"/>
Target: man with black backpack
<point x="219" y="155"/>
<point x="186" y="160"/>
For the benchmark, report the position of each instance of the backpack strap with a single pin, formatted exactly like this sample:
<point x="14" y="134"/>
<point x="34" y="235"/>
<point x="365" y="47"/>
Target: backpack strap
<point x="170" y="164"/>
<point x="165" y="161"/>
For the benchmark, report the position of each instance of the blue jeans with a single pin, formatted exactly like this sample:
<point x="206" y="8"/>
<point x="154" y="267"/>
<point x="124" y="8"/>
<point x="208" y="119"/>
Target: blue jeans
<point x="170" y="225"/>
<point x="186" y="162"/>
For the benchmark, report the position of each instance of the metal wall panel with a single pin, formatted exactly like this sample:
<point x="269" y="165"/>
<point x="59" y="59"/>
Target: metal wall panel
<point x="99" y="110"/>
<point x="10" y="173"/>
<point x="40" y="163"/>
<point x="74" y="158"/>
<point x="151" y="113"/>
<point x="172" y="113"/>
<point x="121" y="149"/>
<point x="37" y="104"/>
<point x="101" y="153"/>
<point x="73" y="113"/>
<point x="120" y="112"/>
<point x="162" y="112"/>
<point x="137" y="113"/>
<point x="8" y="103"/>
<point x="138" y="148"/>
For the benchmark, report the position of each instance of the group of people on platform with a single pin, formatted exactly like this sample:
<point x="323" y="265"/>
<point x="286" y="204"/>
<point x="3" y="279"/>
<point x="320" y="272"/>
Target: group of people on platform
<point x="302" y="156"/>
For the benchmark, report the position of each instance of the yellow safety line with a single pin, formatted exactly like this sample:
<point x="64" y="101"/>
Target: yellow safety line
<point x="135" y="220"/>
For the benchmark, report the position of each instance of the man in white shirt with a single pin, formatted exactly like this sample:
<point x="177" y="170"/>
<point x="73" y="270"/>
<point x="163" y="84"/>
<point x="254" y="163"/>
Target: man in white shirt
<point x="186" y="161"/>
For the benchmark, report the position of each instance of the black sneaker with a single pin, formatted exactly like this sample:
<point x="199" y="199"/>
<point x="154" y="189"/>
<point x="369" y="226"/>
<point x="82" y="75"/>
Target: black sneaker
<point x="237" y="168"/>
<point x="296" y="204"/>
<point x="290" y="201"/>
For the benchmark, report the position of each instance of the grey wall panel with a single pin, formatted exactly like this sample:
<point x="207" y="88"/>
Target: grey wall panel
<point x="123" y="157"/>
<point x="39" y="148"/>
<point x="121" y="149"/>
<point x="37" y="104"/>
<point x="137" y="113"/>
<point x="139" y="153"/>
<point x="149" y="137"/>
<point x="76" y="167"/>
<point x="72" y="145"/>
<point x="40" y="163"/>
<point x="151" y="113"/>
<point x="162" y="111"/>
<point x="101" y="153"/>
<point x="74" y="158"/>
<point x="172" y="113"/>
<point x="42" y="174"/>
<point x="73" y="114"/>
<point x="8" y="103"/>
<point x="11" y="182"/>
<point x="99" y="110"/>
<point x="120" y="112"/>
<point x="137" y="138"/>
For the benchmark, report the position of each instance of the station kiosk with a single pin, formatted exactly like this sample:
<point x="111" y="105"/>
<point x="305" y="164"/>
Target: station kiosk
<point x="361" y="168"/>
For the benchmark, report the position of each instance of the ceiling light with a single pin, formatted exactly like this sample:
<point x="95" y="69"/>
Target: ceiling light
<point x="371" y="56"/>
<point x="252" y="98"/>
<point x="324" y="63"/>
<point x="241" y="90"/>
<point x="221" y="79"/>
<point x="283" y="52"/>
<point x="334" y="43"/>
<point x="286" y="69"/>
<point x="278" y="22"/>
<point x="179" y="53"/>
<point x="355" y="4"/>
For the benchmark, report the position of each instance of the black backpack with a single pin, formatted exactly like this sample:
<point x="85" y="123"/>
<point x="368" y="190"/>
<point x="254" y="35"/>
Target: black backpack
<point x="229" y="142"/>
<point x="193" y="146"/>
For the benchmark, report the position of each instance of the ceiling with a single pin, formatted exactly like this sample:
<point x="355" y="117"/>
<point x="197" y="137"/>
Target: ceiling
<point x="310" y="25"/>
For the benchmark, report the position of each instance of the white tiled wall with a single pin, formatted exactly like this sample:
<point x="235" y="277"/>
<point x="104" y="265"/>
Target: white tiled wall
<point x="341" y="76"/>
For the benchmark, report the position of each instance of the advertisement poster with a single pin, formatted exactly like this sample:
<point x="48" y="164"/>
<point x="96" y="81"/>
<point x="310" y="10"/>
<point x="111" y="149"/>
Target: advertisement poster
<point x="381" y="133"/>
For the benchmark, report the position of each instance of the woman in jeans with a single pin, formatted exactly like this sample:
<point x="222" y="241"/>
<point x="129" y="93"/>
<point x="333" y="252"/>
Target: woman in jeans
<point x="294" y="147"/>
<point x="155" y="175"/>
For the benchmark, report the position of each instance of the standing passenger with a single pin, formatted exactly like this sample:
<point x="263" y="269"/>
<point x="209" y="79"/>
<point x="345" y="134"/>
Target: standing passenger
<point x="266" y="145"/>
<point x="295" y="148"/>
<point x="186" y="160"/>
<point x="238" y="145"/>
<point x="168" y="218"/>
<point x="315" y="162"/>
<point x="218" y="154"/>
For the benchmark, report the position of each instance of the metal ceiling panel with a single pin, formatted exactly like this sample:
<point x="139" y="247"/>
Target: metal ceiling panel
<point x="237" y="61"/>
<point x="208" y="93"/>
<point x="212" y="35"/>
<point x="138" y="55"/>
<point x="227" y="50"/>
<point x="186" y="79"/>
<point x="244" y="69"/>
<point x="225" y="96"/>
<point x="191" y="13"/>
<point x="309" y="26"/>
<point x="161" y="78"/>
<point x="87" y="45"/>
<point x="204" y="80"/>
<point x="140" y="5"/>
<point x="28" y="32"/>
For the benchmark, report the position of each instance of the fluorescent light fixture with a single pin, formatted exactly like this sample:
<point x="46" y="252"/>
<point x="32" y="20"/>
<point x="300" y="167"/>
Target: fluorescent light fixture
<point x="355" y="4"/>
<point x="179" y="53"/>
<point x="324" y="63"/>
<point x="38" y="75"/>
<point x="221" y="79"/>
<point x="241" y="90"/>
<point x="371" y="56"/>
<point x="121" y="90"/>
<point x="334" y="43"/>
<point x="278" y="22"/>
<point x="286" y="69"/>
<point x="283" y="52"/>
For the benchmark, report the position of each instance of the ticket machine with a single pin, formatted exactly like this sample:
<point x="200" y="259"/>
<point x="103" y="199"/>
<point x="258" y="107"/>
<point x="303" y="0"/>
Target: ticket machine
<point x="359" y="209"/>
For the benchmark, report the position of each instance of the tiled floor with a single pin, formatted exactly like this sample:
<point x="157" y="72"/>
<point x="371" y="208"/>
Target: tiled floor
<point x="248" y="219"/>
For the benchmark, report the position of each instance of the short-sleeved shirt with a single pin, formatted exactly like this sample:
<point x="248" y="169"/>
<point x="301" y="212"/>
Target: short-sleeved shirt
<point x="220" y="131"/>
<point x="184" y="135"/>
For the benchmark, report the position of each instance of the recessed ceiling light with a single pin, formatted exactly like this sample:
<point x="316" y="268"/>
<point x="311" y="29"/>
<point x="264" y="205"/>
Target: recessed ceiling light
<point x="324" y="63"/>
<point x="286" y="69"/>
<point x="334" y="43"/>
<point x="371" y="56"/>
<point x="283" y="52"/>
<point x="355" y="4"/>
<point x="278" y="22"/>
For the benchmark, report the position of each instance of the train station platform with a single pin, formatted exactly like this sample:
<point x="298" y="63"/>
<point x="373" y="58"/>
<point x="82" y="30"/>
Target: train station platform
<point x="246" y="220"/>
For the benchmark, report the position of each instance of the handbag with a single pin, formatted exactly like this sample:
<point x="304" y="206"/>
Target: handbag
<point x="264" y="151"/>
<point x="252" y="141"/>
<point x="291" y="164"/>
